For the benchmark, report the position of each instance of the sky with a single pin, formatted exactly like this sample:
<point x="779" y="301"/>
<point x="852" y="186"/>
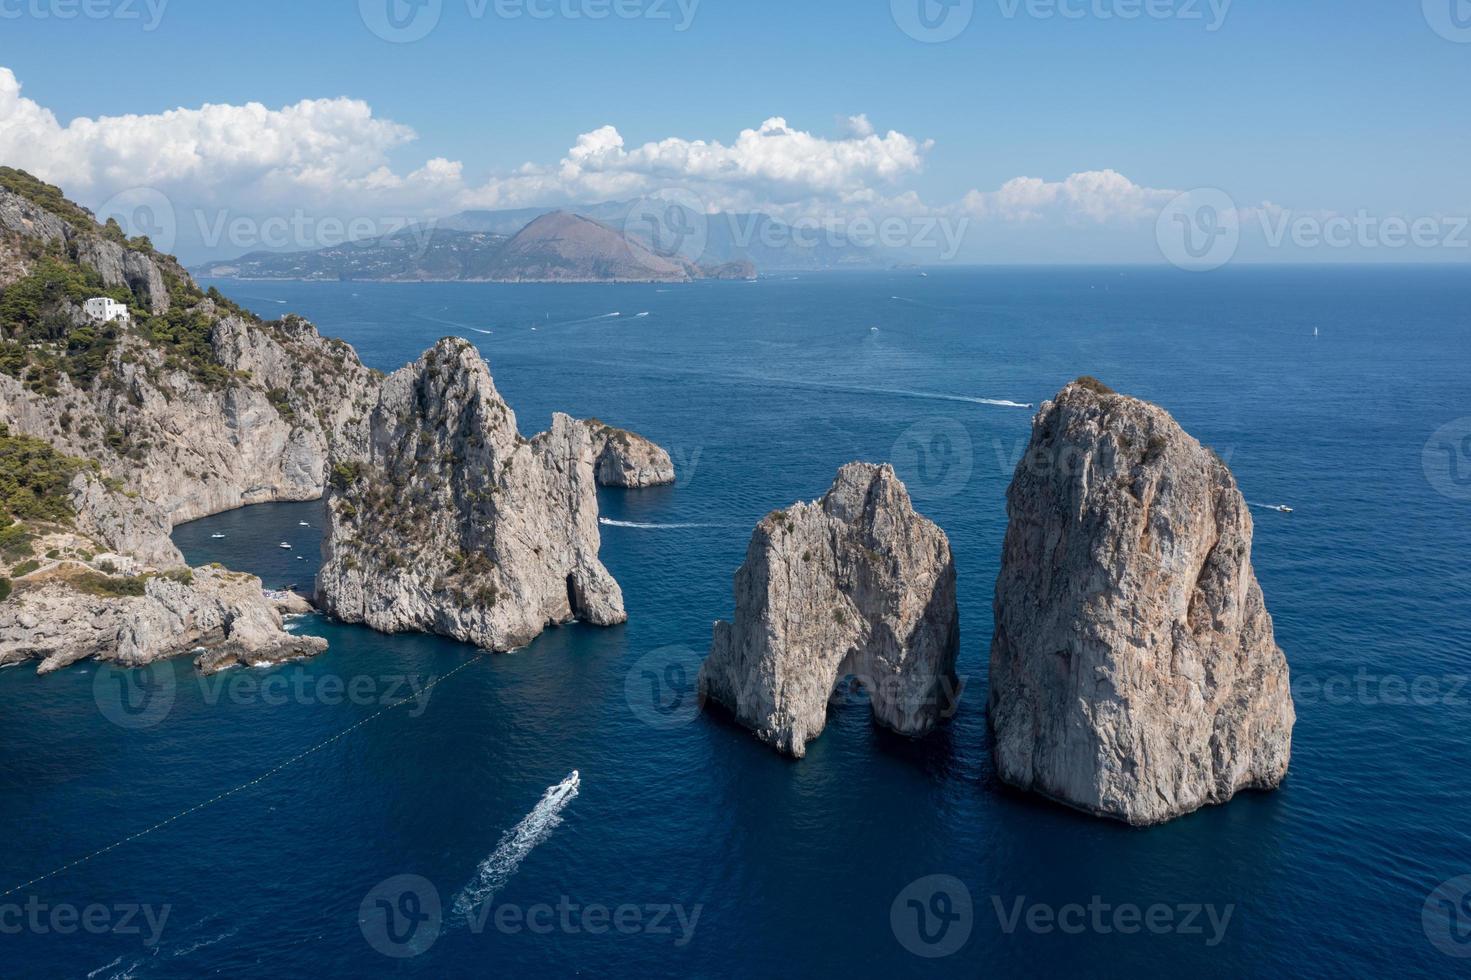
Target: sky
<point x="1029" y="130"/>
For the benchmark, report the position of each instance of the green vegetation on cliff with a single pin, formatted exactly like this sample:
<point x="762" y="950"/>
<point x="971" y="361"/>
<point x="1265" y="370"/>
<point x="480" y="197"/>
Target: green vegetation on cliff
<point x="35" y="480"/>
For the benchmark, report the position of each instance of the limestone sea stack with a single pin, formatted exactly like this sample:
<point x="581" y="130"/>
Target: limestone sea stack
<point x="455" y="524"/>
<point x="626" y="459"/>
<point x="856" y="584"/>
<point x="1134" y="673"/>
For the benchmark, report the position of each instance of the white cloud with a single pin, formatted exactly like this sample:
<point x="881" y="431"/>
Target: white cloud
<point x="334" y="154"/>
<point x="1097" y="196"/>
<point x="335" y="150"/>
<point x="335" y="157"/>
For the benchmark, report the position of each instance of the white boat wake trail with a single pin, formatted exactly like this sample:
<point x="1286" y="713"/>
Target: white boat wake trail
<point x="936" y="396"/>
<point x="515" y="844"/>
<point x="609" y="522"/>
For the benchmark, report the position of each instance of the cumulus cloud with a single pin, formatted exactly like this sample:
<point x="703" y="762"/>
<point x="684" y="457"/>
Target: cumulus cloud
<point x="335" y="156"/>
<point x="1097" y="196"/>
<point x="336" y="153"/>
<point x="333" y="149"/>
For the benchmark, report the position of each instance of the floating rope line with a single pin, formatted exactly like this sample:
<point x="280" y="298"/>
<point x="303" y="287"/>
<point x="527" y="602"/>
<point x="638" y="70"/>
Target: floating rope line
<point x="242" y="787"/>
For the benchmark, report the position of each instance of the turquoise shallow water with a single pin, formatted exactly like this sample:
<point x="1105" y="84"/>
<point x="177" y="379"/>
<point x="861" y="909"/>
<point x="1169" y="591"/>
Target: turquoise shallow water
<point x="761" y="391"/>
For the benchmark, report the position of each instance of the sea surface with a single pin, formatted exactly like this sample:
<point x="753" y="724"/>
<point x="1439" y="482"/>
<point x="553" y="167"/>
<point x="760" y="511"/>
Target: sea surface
<point x="343" y="831"/>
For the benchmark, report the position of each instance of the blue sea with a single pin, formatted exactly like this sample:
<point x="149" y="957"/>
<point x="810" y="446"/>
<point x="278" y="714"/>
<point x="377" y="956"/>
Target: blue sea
<point x="340" y="824"/>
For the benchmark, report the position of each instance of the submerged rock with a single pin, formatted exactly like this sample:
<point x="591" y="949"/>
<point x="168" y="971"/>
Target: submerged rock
<point x="1134" y="673"/>
<point x="857" y="584"/>
<point x="75" y="613"/>
<point x="454" y="524"/>
<point x="626" y="459"/>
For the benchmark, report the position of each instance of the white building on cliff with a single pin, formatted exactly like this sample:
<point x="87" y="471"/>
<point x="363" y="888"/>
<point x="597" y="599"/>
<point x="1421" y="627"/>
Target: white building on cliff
<point x="103" y="310"/>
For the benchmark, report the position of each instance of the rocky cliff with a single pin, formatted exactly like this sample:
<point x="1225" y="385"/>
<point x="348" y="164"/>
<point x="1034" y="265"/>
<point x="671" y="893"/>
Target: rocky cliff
<point x="858" y="585"/>
<point x="626" y="459"/>
<point x="88" y="570"/>
<point x="110" y="433"/>
<point x="1134" y="672"/>
<point x="73" y="613"/>
<point x="455" y="524"/>
<point x="196" y="405"/>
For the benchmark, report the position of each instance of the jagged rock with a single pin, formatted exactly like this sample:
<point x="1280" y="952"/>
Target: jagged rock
<point x="454" y="524"/>
<point x="61" y="620"/>
<point x="626" y="459"/>
<point x="857" y="584"/>
<point x="127" y="525"/>
<point x="1134" y="672"/>
<point x="121" y="266"/>
<point x="251" y="419"/>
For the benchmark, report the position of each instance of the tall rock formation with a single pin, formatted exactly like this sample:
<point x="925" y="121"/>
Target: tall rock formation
<point x="626" y="459"/>
<point x="1134" y="673"/>
<point x="455" y="524"/>
<point x="856" y="584"/>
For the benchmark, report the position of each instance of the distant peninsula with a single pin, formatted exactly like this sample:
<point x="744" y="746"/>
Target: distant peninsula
<point x="557" y="247"/>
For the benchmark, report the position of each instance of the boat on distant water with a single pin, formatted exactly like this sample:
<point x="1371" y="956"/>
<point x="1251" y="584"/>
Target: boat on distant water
<point x="284" y="546"/>
<point x="217" y="536"/>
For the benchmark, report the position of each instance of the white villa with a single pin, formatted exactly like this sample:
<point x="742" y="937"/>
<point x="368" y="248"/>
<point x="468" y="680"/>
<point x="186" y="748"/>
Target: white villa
<point x="102" y="310"/>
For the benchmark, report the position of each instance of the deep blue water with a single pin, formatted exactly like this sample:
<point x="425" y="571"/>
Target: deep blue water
<point x="761" y="391"/>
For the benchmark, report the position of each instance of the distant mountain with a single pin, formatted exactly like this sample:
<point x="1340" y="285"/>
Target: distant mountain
<point x="566" y="247"/>
<point x="558" y="246"/>
<point x="656" y="238"/>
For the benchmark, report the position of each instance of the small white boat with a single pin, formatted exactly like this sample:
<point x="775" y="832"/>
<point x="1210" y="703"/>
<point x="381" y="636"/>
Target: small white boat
<point x="1283" y="509"/>
<point x="217" y="536"/>
<point x="303" y="524"/>
<point x="284" y="546"/>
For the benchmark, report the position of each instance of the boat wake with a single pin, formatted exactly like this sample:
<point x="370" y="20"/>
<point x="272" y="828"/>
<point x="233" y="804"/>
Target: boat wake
<point x="515" y="844"/>
<point x="640" y="316"/>
<point x="940" y="397"/>
<point x="609" y="522"/>
<point x="486" y="332"/>
<point x="588" y="319"/>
